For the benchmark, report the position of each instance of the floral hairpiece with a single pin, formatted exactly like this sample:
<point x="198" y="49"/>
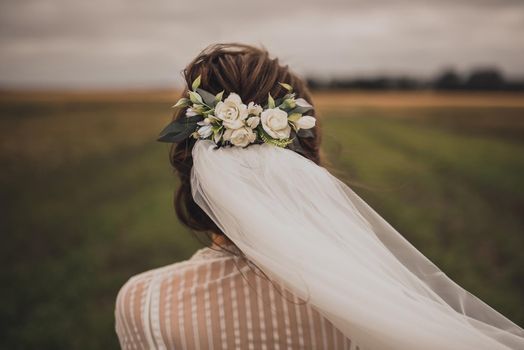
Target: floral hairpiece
<point x="230" y="122"/>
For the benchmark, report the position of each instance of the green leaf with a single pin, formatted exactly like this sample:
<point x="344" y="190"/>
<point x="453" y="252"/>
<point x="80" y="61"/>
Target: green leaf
<point x="196" y="83"/>
<point x="195" y="97"/>
<point x="270" y="101"/>
<point x="209" y="99"/>
<point x="286" y="86"/>
<point x="300" y="110"/>
<point x="296" y="146"/>
<point x="179" y="129"/>
<point x="305" y="133"/>
<point x="183" y="102"/>
<point x="294" y="117"/>
<point x="218" y="96"/>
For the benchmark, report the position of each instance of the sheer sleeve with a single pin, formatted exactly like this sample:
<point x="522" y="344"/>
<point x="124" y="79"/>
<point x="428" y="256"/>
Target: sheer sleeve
<point x="130" y="303"/>
<point x="217" y="301"/>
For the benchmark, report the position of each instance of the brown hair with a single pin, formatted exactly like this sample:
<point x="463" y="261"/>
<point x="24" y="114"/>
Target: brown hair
<point x="252" y="74"/>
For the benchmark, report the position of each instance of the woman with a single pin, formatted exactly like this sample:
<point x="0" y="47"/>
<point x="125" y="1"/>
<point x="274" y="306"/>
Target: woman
<point x="299" y="261"/>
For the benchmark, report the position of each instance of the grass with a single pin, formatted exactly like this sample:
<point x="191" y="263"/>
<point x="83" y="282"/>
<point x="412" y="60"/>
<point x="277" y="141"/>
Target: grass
<point x="87" y="199"/>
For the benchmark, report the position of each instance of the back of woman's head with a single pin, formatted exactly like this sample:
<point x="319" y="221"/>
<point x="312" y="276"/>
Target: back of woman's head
<point x="252" y="74"/>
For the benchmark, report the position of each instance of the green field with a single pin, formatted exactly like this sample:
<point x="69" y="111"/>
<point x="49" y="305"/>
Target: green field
<point x="87" y="202"/>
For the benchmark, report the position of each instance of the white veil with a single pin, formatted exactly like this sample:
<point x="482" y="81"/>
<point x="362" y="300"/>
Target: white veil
<point x="306" y="229"/>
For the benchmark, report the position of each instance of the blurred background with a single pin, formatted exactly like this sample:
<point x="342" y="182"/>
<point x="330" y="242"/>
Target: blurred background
<point x="422" y="107"/>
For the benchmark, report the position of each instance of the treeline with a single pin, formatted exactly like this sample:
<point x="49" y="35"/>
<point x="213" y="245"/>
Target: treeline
<point x="485" y="79"/>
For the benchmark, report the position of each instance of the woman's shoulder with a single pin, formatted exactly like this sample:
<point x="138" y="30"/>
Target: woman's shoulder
<point x="140" y="296"/>
<point x="201" y="260"/>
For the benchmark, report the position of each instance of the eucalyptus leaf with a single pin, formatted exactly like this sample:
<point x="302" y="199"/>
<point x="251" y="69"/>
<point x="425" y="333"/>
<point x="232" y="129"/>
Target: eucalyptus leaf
<point x="196" y="83"/>
<point x="209" y="99"/>
<point x="175" y="138"/>
<point x="296" y="146"/>
<point x="180" y="124"/>
<point x="300" y="110"/>
<point x="305" y="133"/>
<point x="179" y="129"/>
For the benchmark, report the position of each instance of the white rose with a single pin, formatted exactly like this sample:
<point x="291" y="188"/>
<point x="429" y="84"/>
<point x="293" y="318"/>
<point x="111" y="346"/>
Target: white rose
<point x="231" y="111"/>
<point x="227" y="134"/>
<point x="305" y="122"/>
<point x="274" y="121"/>
<point x="205" y="131"/>
<point x="253" y="109"/>
<point x="240" y="137"/>
<point x="253" y="122"/>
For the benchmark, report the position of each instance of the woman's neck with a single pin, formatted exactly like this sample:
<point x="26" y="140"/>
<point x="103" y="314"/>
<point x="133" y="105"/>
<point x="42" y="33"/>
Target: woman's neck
<point x="219" y="241"/>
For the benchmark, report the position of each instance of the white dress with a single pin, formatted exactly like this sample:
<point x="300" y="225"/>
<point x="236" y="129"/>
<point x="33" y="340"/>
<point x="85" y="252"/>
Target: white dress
<point x="216" y="300"/>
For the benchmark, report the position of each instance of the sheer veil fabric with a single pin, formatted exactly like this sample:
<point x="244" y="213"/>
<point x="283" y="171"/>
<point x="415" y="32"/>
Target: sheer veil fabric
<point x="308" y="230"/>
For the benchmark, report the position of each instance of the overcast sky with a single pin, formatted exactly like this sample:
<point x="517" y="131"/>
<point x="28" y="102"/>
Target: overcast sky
<point x="146" y="43"/>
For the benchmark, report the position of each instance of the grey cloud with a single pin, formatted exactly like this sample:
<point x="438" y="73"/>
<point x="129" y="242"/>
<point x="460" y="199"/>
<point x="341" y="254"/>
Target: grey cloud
<point x="116" y="42"/>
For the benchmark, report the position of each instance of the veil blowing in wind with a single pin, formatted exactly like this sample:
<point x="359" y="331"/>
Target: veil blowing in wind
<point x="310" y="232"/>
